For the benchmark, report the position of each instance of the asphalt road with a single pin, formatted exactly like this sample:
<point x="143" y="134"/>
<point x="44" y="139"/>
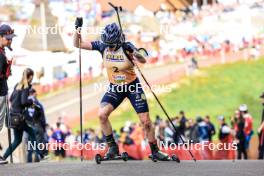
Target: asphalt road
<point x="133" y="168"/>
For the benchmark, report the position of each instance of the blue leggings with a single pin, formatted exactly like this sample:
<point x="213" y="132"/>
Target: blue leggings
<point x="18" y="134"/>
<point x="133" y="91"/>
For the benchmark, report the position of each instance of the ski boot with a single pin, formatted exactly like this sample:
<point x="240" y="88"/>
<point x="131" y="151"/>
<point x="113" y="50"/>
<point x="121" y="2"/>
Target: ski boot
<point x="160" y="156"/>
<point x="112" y="152"/>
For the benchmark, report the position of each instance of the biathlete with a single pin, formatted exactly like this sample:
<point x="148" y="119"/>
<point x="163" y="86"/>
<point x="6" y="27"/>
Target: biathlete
<point x="117" y="56"/>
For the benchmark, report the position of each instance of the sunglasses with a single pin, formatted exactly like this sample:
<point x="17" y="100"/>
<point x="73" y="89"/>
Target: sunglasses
<point x="7" y="32"/>
<point x="10" y="32"/>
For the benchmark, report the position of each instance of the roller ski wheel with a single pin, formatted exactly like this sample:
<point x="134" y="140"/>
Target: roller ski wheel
<point x="124" y="156"/>
<point x="98" y="158"/>
<point x="175" y="158"/>
<point x="152" y="158"/>
<point x="162" y="157"/>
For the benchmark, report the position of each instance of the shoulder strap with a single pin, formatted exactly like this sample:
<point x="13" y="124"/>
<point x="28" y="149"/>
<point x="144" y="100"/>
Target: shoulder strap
<point x="127" y="55"/>
<point x="2" y="51"/>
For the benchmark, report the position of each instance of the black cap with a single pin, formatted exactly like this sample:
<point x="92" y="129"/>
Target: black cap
<point x="199" y="119"/>
<point x="6" y="31"/>
<point x="262" y="95"/>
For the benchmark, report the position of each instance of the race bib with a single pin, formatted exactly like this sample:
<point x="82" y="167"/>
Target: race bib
<point x="119" y="78"/>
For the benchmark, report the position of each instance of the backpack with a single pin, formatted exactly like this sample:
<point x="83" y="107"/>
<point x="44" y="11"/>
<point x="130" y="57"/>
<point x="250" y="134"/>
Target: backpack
<point x="7" y="70"/>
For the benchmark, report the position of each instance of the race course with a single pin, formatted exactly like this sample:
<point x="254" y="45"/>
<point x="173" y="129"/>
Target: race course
<point x="133" y="168"/>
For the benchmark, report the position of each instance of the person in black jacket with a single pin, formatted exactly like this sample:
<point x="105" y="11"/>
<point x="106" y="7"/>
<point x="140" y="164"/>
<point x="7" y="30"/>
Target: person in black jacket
<point x="35" y="118"/>
<point x="6" y="36"/>
<point x="224" y="130"/>
<point x="241" y="137"/>
<point x="19" y="102"/>
<point x="261" y="131"/>
<point x="211" y="127"/>
<point x="182" y="125"/>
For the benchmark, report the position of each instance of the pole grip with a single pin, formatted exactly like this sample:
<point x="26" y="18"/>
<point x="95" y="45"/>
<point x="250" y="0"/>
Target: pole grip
<point x="112" y="5"/>
<point x="117" y="8"/>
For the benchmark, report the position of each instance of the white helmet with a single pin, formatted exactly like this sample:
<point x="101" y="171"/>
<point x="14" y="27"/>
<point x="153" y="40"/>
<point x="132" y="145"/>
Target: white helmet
<point x="221" y="117"/>
<point x="243" y="107"/>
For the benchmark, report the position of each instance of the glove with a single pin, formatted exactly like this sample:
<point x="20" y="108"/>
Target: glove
<point x="78" y="22"/>
<point x="129" y="47"/>
<point x="36" y="107"/>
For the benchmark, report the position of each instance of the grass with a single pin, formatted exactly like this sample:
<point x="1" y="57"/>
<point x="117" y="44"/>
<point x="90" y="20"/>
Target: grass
<point x="213" y="91"/>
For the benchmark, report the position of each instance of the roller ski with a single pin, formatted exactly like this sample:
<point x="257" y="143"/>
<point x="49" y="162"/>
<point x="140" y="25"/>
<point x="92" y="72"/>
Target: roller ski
<point x="112" y="154"/>
<point x="160" y="156"/>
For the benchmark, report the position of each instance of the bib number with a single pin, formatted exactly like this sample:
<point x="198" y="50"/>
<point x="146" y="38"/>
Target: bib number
<point x="115" y="69"/>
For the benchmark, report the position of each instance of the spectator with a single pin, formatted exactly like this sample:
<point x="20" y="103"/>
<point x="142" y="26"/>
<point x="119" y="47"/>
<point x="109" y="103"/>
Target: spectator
<point x="6" y="35"/>
<point x="241" y="137"/>
<point x="182" y="125"/>
<point x="99" y="137"/>
<point x="70" y="138"/>
<point x="192" y="132"/>
<point x="159" y="131"/>
<point x="176" y="134"/>
<point x="203" y="130"/>
<point x="19" y="102"/>
<point x="90" y="71"/>
<point x="248" y="123"/>
<point x="234" y="120"/>
<point x="86" y="136"/>
<point x="78" y="137"/>
<point x="35" y="117"/>
<point x="262" y="101"/>
<point x="91" y="135"/>
<point x="137" y="135"/>
<point x="62" y="124"/>
<point x="261" y="132"/>
<point x="194" y="63"/>
<point x="59" y="138"/>
<point x="168" y="133"/>
<point x="157" y="120"/>
<point x="211" y="128"/>
<point x="261" y="140"/>
<point x="224" y="137"/>
<point x="116" y="135"/>
<point x="224" y="130"/>
<point x="125" y="136"/>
